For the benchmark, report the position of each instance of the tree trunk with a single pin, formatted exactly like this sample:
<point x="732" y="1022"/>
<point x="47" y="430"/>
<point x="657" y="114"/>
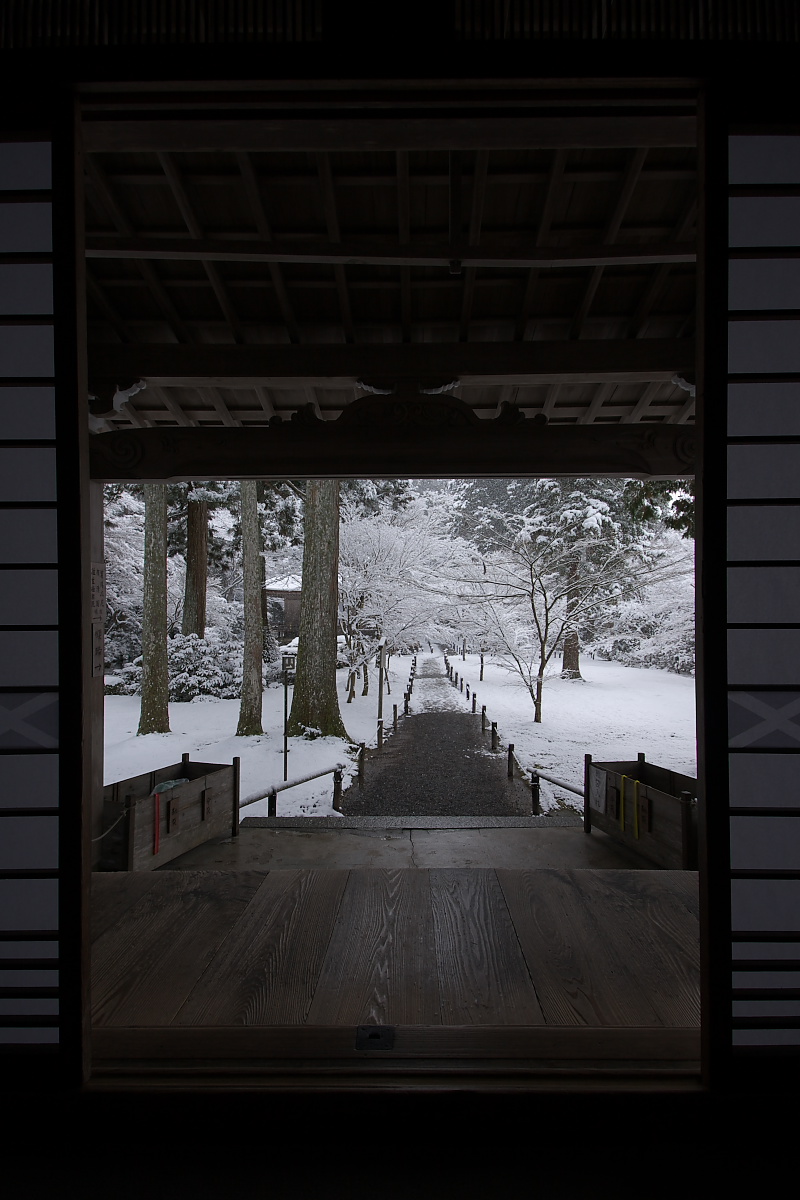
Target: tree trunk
<point x="537" y="699"/>
<point x="154" y="716"/>
<point x="250" y="707"/>
<point x="194" y="596"/>
<point x="315" y="704"/>
<point x="270" y="642"/>
<point x="570" y="663"/>
<point x="365" y="688"/>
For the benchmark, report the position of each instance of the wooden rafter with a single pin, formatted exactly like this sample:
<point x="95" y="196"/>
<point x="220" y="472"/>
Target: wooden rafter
<point x="643" y="403"/>
<point x="476" y="217"/>
<point x="632" y="174"/>
<point x="334" y="236"/>
<point x="105" y="193"/>
<point x="603" y="393"/>
<point x="545" y="220"/>
<point x="193" y="225"/>
<point x="404" y="237"/>
<point x="658" y="280"/>
<point x="262" y="224"/>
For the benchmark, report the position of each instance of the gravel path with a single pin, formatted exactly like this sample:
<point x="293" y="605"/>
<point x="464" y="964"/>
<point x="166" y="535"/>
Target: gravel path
<point x="439" y="763"/>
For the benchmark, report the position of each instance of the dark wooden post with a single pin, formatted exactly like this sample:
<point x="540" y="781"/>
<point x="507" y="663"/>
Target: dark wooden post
<point x="337" y="790"/>
<point x="456" y="679"/>
<point x="464" y="651"/>
<point x="272" y="804"/>
<point x="237" y="774"/>
<point x="380" y="733"/>
<point x="510" y="760"/>
<point x="483" y="718"/>
<point x="361" y="752"/>
<point x="494" y="735"/>
<point x="468" y="691"/>
<point x="587" y="812"/>
<point x="394" y="716"/>
<point x="686" y="832"/>
<point x="184" y="763"/>
<point x="481" y="679"/>
<point x="474" y="699"/>
<point x="462" y="683"/>
<point x="406" y="696"/>
<point x="536" y="806"/>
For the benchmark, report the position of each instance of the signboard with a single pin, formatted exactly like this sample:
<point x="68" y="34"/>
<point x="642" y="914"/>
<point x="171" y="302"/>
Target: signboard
<point x="98" y="655"/>
<point x="98" y="600"/>
<point x="597" y="789"/>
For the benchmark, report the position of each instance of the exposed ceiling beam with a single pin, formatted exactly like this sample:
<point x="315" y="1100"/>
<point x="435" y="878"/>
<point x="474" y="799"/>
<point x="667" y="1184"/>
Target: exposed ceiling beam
<point x="554" y="181"/>
<point x="262" y="224"/>
<point x="600" y="130"/>
<point x="517" y="254"/>
<point x="193" y="225"/>
<point x="476" y="217"/>
<point x="327" y="450"/>
<point x="635" y="164"/>
<point x="480" y="363"/>
<point x="103" y="190"/>
<point x="404" y="237"/>
<point x="335" y="236"/>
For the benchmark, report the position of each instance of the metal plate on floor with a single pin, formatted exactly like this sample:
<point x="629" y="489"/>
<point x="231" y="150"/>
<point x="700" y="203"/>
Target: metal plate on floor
<point x="375" y="1037"/>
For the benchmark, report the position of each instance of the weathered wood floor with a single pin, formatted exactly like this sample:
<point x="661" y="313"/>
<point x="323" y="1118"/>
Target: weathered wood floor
<point x="458" y="947"/>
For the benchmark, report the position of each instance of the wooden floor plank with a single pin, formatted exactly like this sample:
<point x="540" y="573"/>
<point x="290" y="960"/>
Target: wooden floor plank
<point x="144" y="966"/>
<point x="380" y="967"/>
<point x="654" y="930"/>
<point x="113" y="893"/>
<point x="266" y="971"/>
<point x="483" y="977"/>
<point x="580" y="976"/>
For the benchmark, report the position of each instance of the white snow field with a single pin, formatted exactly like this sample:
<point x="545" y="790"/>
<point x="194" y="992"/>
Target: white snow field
<point x="613" y="713"/>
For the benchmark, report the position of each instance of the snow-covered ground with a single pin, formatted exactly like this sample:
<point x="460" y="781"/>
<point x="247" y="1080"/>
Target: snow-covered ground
<point x="206" y="728"/>
<point x="613" y="713"/>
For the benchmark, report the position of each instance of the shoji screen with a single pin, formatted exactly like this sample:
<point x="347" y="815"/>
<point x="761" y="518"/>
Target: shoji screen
<point x="764" y="587"/>
<point x="29" y="697"/>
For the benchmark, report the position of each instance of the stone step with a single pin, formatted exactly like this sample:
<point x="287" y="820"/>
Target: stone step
<point x="562" y="819"/>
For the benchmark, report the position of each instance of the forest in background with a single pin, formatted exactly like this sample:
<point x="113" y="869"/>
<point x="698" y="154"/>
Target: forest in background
<point x="534" y="572"/>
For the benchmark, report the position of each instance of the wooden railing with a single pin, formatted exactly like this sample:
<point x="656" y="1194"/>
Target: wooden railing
<point x="271" y="794"/>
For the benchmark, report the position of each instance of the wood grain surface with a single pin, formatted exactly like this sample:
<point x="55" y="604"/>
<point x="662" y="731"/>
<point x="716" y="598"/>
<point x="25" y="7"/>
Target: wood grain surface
<point x="412" y="947"/>
<point x="266" y="971"/>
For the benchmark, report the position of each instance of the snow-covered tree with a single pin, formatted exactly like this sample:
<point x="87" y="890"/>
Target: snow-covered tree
<point x="550" y="569"/>
<point x="154" y="716"/>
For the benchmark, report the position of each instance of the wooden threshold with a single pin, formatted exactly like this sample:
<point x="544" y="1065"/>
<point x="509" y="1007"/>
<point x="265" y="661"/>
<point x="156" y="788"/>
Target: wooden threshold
<point x="423" y="1058"/>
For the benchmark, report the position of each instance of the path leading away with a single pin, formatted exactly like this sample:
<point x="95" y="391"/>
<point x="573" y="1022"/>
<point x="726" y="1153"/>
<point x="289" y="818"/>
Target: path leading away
<point x="439" y="763"/>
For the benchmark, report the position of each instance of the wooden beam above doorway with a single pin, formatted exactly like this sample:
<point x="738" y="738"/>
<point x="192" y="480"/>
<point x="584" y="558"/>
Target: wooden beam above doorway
<point x="481" y="364"/>
<point x="420" y="436"/>
<point x="589" y="130"/>
<point x="387" y="252"/>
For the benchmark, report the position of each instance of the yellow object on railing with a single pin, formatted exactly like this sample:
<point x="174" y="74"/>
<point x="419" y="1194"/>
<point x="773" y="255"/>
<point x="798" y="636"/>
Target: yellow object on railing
<point x="636" y="808"/>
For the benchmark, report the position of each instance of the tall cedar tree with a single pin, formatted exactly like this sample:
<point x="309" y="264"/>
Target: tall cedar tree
<point x="315" y="704"/>
<point x="154" y="717"/>
<point x="194" y="599"/>
<point x="252" y="665"/>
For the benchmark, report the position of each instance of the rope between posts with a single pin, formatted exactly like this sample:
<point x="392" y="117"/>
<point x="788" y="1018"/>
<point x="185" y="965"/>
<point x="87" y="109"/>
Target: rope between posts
<point x="531" y="776"/>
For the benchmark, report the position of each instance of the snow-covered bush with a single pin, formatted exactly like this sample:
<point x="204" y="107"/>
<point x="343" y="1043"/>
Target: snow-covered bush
<point x="197" y="667"/>
<point x="210" y="666"/>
